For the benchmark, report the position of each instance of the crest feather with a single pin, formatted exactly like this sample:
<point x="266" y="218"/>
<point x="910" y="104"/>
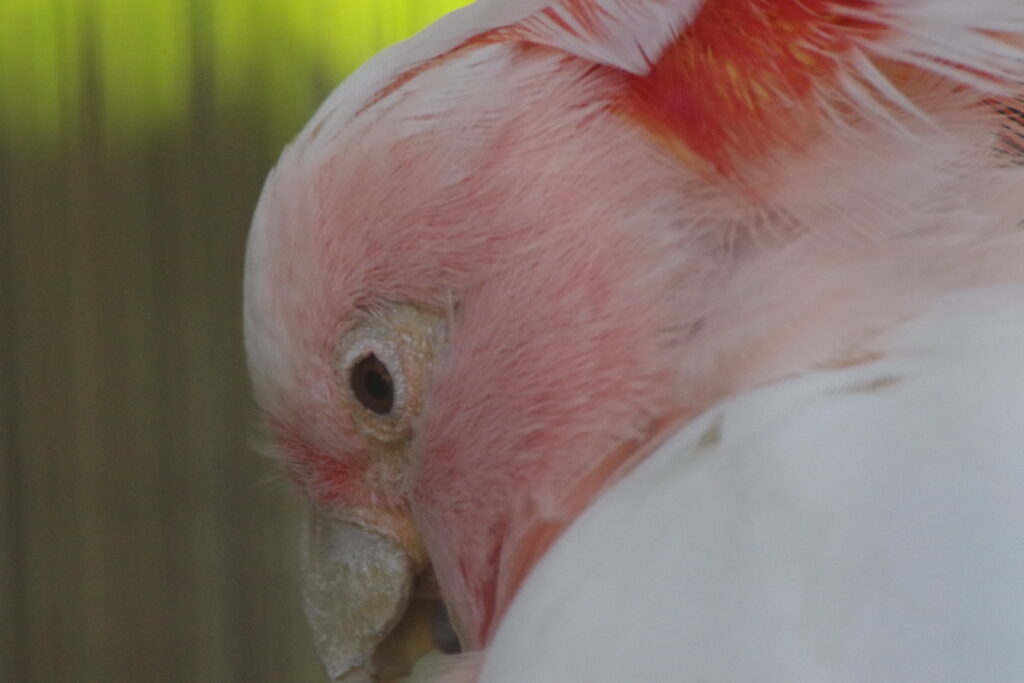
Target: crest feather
<point x="626" y="34"/>
<point x="726" y="80"/>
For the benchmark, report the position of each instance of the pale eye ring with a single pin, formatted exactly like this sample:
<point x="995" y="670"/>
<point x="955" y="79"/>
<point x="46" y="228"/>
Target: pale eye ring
<point x="373" y="372"/>
<point x="371" y="383"/>
<point x="380" y="365"/>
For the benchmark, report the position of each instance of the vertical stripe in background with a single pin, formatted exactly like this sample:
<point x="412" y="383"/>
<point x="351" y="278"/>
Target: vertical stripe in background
<point x="141" y="536"/>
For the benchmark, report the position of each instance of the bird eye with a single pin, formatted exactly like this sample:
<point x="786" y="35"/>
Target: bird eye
<point x="382" y="362"/>
<point x="372" y="385"/>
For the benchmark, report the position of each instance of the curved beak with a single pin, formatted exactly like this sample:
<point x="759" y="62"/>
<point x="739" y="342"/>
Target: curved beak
<point x="359" y="586"/>
<point x="356" y="584"/>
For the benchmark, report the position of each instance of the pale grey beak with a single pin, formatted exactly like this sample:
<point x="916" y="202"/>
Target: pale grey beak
<point x="356" y="587"/>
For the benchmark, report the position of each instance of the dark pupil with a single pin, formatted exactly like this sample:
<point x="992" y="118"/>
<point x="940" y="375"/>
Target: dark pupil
<point x="372" y="385"/>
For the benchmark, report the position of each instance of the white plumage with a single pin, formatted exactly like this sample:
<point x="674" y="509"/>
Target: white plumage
<point x="862" y="523"/>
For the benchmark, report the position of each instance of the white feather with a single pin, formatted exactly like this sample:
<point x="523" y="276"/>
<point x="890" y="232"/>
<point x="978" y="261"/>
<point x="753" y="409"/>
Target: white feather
<point x="626" y="34"/>
<point x="860" y="524"/>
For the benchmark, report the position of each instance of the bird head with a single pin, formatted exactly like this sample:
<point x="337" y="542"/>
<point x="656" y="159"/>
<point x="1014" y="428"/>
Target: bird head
<point x="460" y="319"/>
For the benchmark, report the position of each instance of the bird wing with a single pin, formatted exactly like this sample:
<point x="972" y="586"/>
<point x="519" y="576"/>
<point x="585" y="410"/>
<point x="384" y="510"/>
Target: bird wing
<point x="859" y="523"/>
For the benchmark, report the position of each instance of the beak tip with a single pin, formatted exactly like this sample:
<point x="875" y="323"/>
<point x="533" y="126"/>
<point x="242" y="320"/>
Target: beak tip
<point x="355" y="676"/>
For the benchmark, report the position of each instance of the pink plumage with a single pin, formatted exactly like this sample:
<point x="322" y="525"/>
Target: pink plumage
<point x="621" y="212"/>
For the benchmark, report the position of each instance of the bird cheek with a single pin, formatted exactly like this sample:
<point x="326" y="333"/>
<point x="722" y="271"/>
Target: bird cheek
<point x="323" y="476"/>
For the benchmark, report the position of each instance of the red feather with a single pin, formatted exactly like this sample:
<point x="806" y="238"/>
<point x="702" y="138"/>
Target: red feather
<point x="743" y="75"/>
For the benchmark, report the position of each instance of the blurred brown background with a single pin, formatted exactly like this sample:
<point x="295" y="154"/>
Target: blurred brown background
<point x="142" y="538"/>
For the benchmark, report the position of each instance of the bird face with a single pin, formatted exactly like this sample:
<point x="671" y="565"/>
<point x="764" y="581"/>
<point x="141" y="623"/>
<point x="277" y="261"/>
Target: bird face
<point x="460" y="327"/>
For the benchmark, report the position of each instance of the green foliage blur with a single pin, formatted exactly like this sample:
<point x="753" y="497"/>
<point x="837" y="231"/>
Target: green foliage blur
<point x="142" y="59"/>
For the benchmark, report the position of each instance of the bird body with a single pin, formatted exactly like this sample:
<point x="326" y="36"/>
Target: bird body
<point x="509" y="259"/>
<point x="859" y="523"/>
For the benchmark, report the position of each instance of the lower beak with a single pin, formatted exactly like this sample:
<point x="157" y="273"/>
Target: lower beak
<point x="361" y="594"/>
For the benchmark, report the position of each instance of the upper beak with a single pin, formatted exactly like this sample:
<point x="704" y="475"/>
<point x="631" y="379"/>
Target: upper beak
<point x="359" y="584"/>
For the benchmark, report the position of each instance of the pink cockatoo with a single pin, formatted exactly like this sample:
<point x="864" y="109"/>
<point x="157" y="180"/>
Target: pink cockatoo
<point x="671" y="340"/>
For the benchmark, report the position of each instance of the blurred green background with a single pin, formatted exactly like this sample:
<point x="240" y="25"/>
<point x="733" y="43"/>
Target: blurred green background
<point x="141" y="538"/>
